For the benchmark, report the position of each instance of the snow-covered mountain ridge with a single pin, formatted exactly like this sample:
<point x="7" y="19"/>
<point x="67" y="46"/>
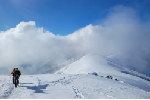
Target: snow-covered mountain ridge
<point x="106" y="66"/>
<point x="87" y="64"/>
<point x="90" y="77"/>
<point x="99" y="64"/>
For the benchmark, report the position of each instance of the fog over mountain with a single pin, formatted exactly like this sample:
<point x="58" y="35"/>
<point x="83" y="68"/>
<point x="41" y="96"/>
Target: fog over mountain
<point x="121" y="34"/>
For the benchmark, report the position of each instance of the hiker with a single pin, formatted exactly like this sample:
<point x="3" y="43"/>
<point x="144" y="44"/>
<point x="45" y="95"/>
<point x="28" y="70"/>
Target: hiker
<point x="15" y="73"/>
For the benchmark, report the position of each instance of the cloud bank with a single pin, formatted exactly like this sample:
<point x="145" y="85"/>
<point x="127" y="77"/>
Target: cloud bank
<point x="34" y="51"/>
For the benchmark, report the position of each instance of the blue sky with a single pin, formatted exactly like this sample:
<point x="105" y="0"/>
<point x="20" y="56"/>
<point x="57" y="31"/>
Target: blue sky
<point x="63" y="17"/>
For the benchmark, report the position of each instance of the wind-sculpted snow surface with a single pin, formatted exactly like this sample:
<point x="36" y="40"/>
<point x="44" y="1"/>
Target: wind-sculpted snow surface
<point x="77" y="86"/>
<point x="6" y="87"/>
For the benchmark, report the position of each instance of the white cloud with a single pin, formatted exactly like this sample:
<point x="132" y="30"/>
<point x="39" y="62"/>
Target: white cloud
<point x="28" y="47"/>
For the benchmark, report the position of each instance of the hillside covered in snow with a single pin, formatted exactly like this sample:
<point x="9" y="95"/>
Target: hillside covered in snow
<point x="90" y="77"/>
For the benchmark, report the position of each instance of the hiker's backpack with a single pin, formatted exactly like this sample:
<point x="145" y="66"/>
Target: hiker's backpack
<point x="16" y="73"/>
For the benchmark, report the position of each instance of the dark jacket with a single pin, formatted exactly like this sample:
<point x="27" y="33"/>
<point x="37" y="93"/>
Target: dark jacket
<point x="17" y="70"/>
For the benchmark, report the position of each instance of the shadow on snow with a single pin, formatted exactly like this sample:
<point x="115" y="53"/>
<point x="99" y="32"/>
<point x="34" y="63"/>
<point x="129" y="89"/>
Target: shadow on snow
<point x="36" y="88"/>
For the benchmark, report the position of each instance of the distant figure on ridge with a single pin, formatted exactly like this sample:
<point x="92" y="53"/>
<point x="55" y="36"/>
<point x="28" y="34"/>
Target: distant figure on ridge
<point x="16" y="74"/>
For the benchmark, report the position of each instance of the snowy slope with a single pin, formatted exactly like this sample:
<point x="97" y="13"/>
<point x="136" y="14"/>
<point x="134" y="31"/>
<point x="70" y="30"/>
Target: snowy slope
<point x="104" y="66"/>
<point x="87" y="64"/>
<point x="85" y="79"/>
